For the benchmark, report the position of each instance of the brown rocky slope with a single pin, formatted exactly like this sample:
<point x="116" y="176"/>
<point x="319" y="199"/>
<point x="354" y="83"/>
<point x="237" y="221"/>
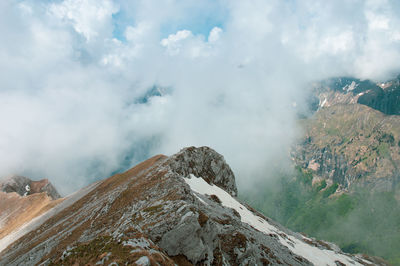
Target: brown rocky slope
<point x="167" y="210"/>
<point x="22" y="200"/>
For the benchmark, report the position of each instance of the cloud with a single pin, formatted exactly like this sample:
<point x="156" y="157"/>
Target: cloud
<point x="174" y="41"/>
<point x="214" y="35"/>
<point x="187" y="44"/>
<point x="91" y="18"/>
<point x="229" y="71"/>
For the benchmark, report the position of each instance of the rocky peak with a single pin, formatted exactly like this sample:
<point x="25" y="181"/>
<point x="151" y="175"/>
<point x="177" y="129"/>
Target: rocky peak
<point x="206" y="163"/>
<point x="25" y="186"/>
<point x="157" y="213"/>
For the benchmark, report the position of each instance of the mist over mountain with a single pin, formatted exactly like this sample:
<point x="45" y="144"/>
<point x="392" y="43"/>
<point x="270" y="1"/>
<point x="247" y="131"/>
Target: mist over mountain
<point x="302" y="97"/>
<point x="77" y="79"/>
<point x="345" y="187"/>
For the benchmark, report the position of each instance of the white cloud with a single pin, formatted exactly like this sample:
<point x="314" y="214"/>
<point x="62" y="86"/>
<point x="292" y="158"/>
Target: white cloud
<point x="187" y="44"/>
<point x="89" y="17"/>
<point x="138" y="33"/>
<point x="174" y="41"/>
<point x="214" y="35"/>
<point x="395" y="36"/>
<point x="377" y="21"/>
<point x="69" y="87"/>
<point x="339" y="43"/>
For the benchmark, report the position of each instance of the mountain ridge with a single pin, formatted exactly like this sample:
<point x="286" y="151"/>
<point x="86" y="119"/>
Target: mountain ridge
<point x="381" y="96"/>
<point x="158" y="212"/>
<point x="23" y="199"/>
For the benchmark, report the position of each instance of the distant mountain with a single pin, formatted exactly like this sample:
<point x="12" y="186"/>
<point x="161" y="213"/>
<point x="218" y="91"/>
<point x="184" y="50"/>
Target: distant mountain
<point x="155" y="91"/>
<point x="24" y="186"/>
<point x="172" y="210"/>
<point x="383" y="96"/>
<point x="346" y="187"/>
<point x="354" y="137"/>
<point x="22" y="199"/>
<point x="351" y="145"/>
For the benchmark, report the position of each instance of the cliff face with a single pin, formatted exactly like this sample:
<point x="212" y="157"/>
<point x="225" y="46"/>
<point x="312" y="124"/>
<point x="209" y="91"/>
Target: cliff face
<point x="350" y="140"/>
<point x="166" y="210"/>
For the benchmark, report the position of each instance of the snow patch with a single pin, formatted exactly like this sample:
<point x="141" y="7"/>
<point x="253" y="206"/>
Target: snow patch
<point x="350" y="87"/>
<point x="323" y="103"/>
<point x="142" y="261"/>
<point x="313" y="254"/>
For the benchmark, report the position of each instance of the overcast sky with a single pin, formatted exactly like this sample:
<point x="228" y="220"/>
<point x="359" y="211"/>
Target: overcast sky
<point x="72" y="74"/>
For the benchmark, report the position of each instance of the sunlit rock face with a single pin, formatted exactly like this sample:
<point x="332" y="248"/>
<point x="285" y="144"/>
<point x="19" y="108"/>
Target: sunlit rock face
<point x="353" y="138"/>
<point x="165" y="211"/>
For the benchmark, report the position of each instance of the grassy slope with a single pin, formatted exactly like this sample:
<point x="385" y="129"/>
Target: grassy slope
<point x="369" y="140"/>
<point x="361" y="221"/>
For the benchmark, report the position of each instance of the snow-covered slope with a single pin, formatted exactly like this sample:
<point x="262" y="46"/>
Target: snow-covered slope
<point x="296" y="244"/>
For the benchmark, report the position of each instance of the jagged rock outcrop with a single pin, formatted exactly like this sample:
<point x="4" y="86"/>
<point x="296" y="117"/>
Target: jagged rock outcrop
<point x="25" y="186"/>
<point x="208" y="164"/>
<point x="165" y="211"/>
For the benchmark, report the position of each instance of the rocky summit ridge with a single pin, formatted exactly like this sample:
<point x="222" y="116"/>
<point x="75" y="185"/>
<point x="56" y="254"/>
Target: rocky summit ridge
<point x="208" y="164"/>
<point x="177" y="210"/>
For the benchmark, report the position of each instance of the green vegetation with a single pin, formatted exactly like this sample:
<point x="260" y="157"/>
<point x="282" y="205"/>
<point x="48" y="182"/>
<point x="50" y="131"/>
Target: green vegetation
<point x="388" y="138"/>
<point x="330" y="190"/>
<point x="332" y="131"/>
<point x="368" y="143"/>
<point x="383" y="150"/>
<point x="321" y="186"/>
<point x="359" y="222"/>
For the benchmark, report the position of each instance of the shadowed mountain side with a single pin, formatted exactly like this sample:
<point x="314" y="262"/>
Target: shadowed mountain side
<point x="384" y="96"/>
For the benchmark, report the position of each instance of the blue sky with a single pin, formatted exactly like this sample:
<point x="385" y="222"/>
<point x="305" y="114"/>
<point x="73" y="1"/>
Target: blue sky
<point x="199" y="18"/>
